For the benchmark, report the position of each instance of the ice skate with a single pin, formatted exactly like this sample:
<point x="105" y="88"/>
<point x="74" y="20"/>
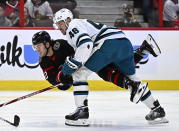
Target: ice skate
<point x="156" y="115"/>
<point x="149" y="46"/>
<point x="78" y="118"/>
<point x="137" y="90"/>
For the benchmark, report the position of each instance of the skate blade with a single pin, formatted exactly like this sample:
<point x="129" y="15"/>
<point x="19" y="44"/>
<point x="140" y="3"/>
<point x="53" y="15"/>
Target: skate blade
<point x="155" y="46"/>
<point x="79" y="122"/>
<point x="158" y="121"/>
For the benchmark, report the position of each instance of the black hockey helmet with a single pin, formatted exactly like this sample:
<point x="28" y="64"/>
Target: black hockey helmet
<point x="41" y="37"/>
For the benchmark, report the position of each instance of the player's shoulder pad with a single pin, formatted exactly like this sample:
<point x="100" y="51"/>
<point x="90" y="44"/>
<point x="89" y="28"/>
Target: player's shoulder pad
<point x="56" y="45"/>
<point x="74" y="23"/>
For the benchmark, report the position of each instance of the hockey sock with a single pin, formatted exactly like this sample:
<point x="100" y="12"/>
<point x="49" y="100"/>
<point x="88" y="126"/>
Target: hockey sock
<point x="148" y="100"/>
<point x="80" y="93"/>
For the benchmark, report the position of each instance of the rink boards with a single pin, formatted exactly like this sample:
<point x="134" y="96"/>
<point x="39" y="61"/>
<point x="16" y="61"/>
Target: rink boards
<point x="94" y="85"/>
<point x="19" y="68"/>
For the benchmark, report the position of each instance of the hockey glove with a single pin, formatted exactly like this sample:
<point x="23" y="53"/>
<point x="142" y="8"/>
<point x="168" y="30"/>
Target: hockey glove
<point x="64" y="87"/>
<point x="70" y="66"/>
<point x="64" y="79"/>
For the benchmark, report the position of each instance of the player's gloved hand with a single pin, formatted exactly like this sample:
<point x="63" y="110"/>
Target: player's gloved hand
<point x="64" y="79"/>
<point x="70" y="66"/>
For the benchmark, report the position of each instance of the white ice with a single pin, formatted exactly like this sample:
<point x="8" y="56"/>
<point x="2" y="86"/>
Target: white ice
<point x="109" y="110"/>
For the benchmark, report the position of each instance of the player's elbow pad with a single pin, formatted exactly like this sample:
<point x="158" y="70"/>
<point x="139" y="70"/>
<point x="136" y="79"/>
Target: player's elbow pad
<point x="83" y="53"/>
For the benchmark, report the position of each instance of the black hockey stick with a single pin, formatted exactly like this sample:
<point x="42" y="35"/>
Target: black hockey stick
<point x="29" y="95"/>
<point x="16" y="117"/>
<point x="15" y="123"/>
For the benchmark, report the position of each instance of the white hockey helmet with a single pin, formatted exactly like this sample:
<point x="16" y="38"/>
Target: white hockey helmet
<point x="62" y="14"/>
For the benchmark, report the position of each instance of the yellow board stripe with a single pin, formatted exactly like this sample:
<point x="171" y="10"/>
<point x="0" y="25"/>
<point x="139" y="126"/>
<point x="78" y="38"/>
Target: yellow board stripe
<point x="95" y="85"/>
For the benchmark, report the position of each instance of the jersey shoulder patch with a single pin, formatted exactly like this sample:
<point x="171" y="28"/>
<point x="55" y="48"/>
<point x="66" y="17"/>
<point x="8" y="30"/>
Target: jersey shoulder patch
<point x="56" y="46"/>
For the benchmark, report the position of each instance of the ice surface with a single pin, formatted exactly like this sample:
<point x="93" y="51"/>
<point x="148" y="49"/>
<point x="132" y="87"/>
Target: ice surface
<point x="109" y="110"/>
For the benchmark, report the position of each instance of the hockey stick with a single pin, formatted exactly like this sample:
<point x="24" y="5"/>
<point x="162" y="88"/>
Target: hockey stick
<point x="29" y="95"/>
<point x="15" y="123"/>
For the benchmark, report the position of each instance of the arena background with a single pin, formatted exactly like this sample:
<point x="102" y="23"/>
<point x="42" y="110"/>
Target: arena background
<point x="20" y="70"/>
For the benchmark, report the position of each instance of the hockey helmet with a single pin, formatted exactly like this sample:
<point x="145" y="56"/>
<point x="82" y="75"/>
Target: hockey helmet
<point x="62" y="15"/>
<point x="41" y="37"/>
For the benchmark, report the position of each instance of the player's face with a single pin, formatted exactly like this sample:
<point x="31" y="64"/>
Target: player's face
<point x="62" y="27"/>
<point x="40" y="48"/>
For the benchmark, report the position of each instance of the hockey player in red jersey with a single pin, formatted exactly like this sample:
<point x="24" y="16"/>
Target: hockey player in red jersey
<point x="53" y="54"/>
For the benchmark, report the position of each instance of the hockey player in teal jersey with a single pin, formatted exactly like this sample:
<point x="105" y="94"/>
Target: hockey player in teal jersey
<point x="96" y="46"/>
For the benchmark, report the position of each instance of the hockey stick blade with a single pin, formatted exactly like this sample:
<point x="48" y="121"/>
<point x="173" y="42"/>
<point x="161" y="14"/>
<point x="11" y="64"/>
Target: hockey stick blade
<point x="15" y="123"/>
<point x="16" y="120"/>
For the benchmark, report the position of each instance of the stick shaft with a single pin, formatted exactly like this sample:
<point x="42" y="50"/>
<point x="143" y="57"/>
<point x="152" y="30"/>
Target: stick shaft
<point x="6" y="121"/>
<point x="29" y="95"/>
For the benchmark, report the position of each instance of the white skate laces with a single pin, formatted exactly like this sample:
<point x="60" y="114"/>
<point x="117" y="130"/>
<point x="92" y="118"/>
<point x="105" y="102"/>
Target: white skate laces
<point x="78" y="118"/>
<point x="156" y="115"/>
